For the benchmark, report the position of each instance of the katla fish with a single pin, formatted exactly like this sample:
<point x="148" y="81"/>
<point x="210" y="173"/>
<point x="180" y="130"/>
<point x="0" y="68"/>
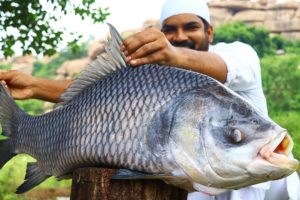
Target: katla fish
<point x="151" y="121"/>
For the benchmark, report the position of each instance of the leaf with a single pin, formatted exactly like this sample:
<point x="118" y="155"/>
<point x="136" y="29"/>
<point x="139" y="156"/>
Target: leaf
<point x="35" y="21"/>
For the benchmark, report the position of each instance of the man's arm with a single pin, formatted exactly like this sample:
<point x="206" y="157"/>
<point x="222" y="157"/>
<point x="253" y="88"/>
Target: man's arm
<point x="24" y="86"/>
<point x="151" y="46"/>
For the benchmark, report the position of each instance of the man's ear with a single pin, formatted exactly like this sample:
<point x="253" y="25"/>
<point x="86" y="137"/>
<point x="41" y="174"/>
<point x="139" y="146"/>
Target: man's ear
<point x="210" y="33"/>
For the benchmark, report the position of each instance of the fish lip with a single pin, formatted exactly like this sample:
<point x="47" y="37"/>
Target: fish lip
<point x="278" y="150"/>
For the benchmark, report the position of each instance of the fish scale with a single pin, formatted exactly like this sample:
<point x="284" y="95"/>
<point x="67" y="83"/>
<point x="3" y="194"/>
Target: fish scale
<point x="135" y="102"/>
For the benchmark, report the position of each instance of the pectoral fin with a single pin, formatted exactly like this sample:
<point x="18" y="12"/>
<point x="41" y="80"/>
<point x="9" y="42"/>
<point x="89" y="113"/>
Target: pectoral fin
<point x="129" y="174"/>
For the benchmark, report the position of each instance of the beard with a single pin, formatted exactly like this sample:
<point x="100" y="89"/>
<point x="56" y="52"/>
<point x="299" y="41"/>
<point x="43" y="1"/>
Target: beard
<point x="203" y="46"/>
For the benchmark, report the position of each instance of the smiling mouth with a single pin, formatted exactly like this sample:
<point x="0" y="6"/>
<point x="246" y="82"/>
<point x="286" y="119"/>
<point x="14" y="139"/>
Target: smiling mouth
<point x="278" y="152"/>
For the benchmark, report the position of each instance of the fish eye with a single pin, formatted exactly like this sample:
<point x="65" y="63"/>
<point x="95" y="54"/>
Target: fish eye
<point x="254" y="121"/>
<point x="232" y="122"/>
<point x="235" y="136"/>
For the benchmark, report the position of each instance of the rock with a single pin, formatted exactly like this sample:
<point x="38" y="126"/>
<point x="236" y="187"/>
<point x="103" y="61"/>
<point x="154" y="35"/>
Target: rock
<point x="47" y="59"/>
<point x="291" y="35"/>
<point x="235" y="6"/>
<point x="23" y="63"/>
<point x="96" y="48"/>
<point x="220" y="15"/>
<point x="250" y="16"/>
<point x="283" y="26"/>
<point x="266" y="2"/>
<point x="280" y="14"/>
<point x="285" y="5"/>
<point x="127" y="33"/>
<point x="276" y="17"/>
<point x="70" y="69"/>
<point x="297" y="15"/>
<point x="151" y="23"/>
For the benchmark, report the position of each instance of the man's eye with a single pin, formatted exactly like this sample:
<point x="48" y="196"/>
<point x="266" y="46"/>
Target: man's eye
<point x="192" y="28"/>
<point x="168" y="30"/>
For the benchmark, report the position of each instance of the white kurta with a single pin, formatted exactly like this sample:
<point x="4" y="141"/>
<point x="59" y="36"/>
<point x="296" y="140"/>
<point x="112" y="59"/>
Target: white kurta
<point x="244" y="77"/>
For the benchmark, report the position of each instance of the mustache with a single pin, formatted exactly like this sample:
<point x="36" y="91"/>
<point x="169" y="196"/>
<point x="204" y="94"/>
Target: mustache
<point x="186" y="44"/>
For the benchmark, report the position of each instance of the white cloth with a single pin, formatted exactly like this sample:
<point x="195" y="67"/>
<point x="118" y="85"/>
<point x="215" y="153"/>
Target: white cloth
<point x="244" y="77"/>
<point x="175" y="7"/>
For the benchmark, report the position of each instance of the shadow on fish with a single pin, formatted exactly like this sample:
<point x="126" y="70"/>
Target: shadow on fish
<point x="153" y="122"/>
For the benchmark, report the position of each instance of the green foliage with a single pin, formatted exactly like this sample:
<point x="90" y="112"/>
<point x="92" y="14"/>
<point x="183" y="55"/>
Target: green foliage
<point x="49" y="70"/>
<point x="293" y="47"/>
<point x="280" y="43"/>
<point x="281" y="78"/>
<point x="29" y="23"/>
<point x="258" y="38"/>
<point x="32" y="106"/>
<point x="12" y="176"/>
<point x="5" y="67"/>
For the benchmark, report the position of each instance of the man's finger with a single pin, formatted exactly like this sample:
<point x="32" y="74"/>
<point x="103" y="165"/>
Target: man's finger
<point x="136" y="41"/>
<point x="146" y="50"/>
<point x="152" y="58"/>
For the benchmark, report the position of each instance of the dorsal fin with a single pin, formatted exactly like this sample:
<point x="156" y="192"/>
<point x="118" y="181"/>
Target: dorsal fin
<point x="99" y="68"/>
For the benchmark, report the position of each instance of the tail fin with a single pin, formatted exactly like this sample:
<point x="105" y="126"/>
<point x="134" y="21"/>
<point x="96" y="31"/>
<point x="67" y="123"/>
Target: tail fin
<point x="5" y="152"/>
<point x="34" y="176"/>
<point x="9" y="112"/>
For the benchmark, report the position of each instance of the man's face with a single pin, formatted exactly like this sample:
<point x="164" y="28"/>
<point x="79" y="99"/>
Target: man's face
<point x="187" y="30"/>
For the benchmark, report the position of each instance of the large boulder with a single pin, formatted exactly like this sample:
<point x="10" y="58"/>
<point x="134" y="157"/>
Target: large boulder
<point x="96" y="48"/>
<point x="280" y="14"/>
<point x="250" y="16"/>
<point x="220" y="15"/>
<point x="235" y="6"/>
<point x="297" y="15"/>
<point x="71" y="68"/>
<point x="277" y="26"/>
<point x="23" y="63"/>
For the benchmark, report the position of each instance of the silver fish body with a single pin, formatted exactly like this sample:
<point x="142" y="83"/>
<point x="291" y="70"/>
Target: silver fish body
<point x="108" y="123"/>
<point x="183" y="127"/>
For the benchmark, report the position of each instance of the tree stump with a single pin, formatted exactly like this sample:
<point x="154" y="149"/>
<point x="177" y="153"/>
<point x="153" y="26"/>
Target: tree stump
<point x="95" y="184"/>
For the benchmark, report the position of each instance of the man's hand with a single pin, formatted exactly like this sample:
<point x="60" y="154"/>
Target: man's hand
<point x="20" y="85"/>
<point x="24" y="86"/>
<point x="149" y="46"/>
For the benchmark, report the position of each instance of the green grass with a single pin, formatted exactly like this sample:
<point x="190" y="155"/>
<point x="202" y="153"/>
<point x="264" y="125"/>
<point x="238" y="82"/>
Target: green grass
<point x="13" y="173"/>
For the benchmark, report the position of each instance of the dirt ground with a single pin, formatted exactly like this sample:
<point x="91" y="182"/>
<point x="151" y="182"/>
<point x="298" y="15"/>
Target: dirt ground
<point x="48" y="194"/>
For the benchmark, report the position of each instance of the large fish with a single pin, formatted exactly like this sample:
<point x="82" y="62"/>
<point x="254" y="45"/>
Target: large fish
<point x="152" y="121"/>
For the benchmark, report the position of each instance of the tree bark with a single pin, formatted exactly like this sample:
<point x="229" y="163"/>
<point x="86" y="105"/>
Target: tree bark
<point x="95" y="184"/>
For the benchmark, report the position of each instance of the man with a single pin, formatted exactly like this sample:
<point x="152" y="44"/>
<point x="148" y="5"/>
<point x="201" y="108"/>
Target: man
<point x="185" y="28"/>
<point x="182" y="42"/>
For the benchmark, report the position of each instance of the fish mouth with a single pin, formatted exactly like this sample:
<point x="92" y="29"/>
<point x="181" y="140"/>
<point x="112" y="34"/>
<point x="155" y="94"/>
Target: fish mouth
<point x="278" y="151"/>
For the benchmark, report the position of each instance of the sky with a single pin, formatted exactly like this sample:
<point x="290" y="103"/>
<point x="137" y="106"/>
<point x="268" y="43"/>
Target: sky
<point x="124" y="15"/>
<point x="129" y="14"/>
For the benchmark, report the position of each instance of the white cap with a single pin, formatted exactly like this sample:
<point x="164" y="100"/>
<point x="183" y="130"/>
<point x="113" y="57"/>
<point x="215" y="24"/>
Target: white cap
<point x="175" y="7"/>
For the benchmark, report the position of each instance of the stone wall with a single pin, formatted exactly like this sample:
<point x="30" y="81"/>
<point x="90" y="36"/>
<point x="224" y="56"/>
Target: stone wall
<point x="279" y="18"/>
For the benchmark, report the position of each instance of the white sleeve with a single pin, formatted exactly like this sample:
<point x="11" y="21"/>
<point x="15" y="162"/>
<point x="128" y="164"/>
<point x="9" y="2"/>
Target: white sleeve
<point x="242" y="65"/>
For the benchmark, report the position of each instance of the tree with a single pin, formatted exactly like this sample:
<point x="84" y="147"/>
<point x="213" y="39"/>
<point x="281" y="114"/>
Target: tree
<point x="256" y="37"/>
<point x="281" y="77"/>
<point x="29" y="22"/>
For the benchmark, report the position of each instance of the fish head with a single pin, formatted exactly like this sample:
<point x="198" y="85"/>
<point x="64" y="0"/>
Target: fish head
<point x="220" y="141"/>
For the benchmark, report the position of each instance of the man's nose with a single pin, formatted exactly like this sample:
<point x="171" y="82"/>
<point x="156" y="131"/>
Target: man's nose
<point x="181" y="36"/>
